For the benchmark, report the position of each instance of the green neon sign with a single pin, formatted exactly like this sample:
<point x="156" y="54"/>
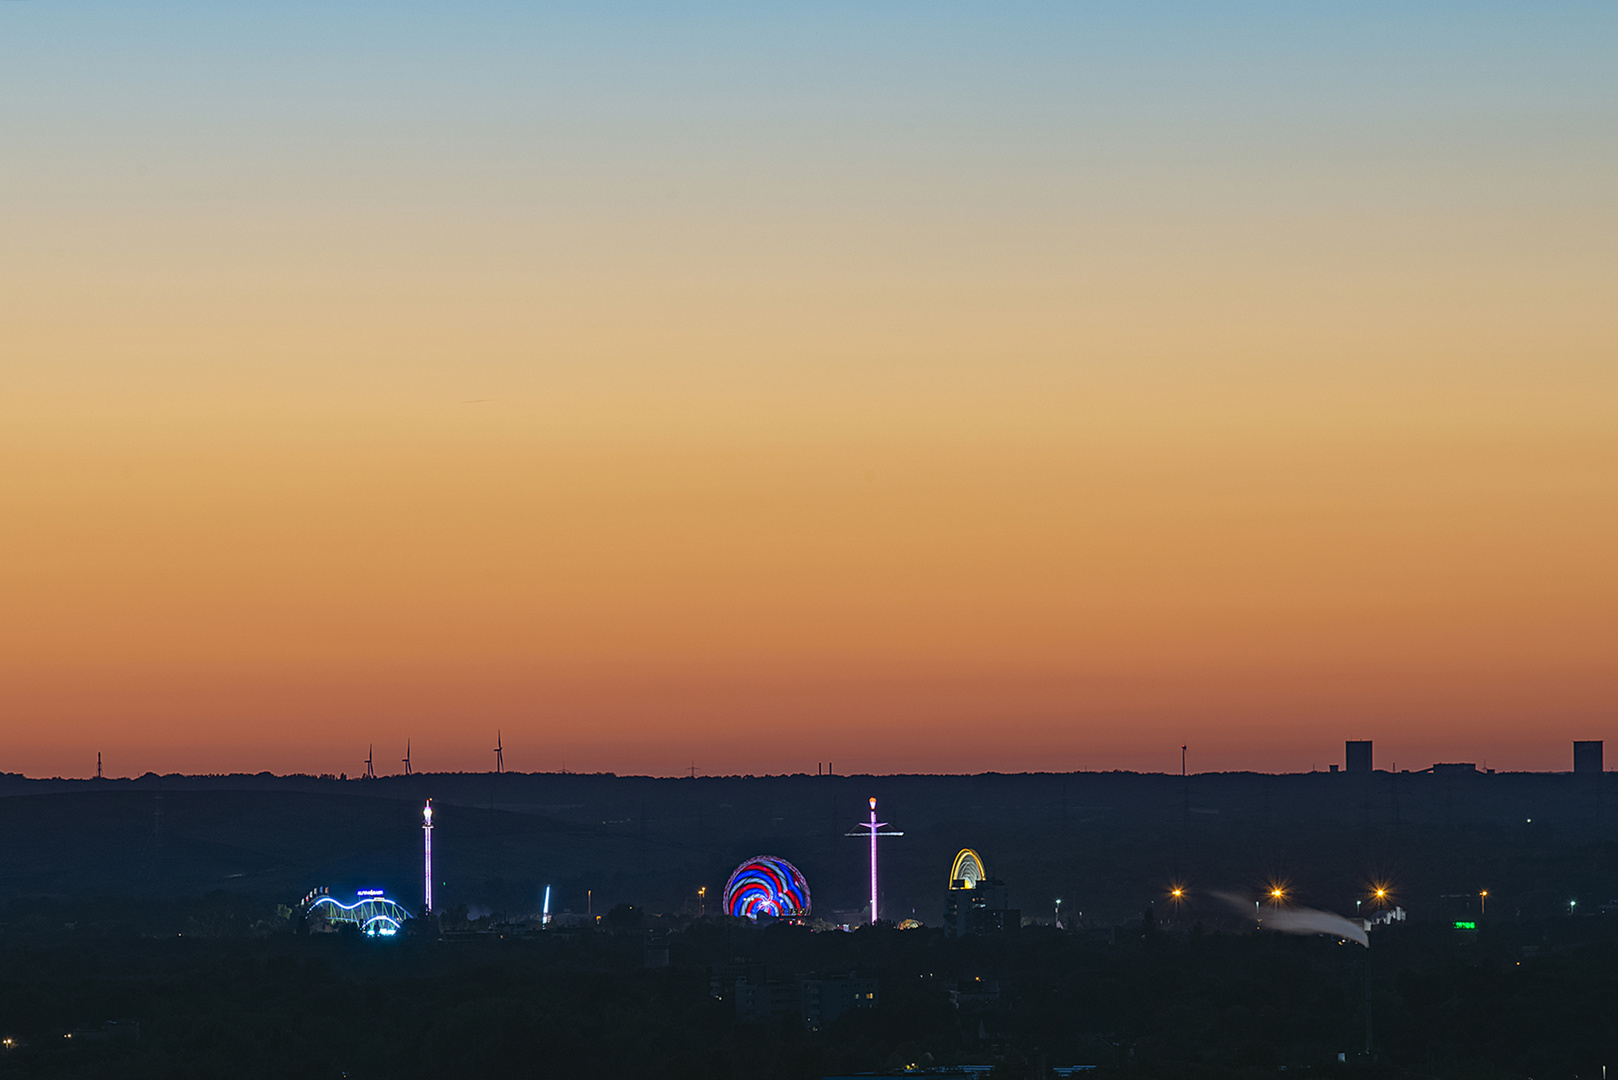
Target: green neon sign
<point x="1466" y="925"/>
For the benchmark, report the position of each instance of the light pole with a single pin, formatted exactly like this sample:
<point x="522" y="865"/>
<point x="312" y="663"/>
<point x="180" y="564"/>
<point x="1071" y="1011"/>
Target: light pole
<point x="1367" y="958"/>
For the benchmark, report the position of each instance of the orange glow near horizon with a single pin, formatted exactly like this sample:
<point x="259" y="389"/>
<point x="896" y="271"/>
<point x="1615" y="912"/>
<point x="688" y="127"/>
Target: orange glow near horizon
<point x="934" y="591"/>
<point x="903" y="606"/>
<point x="745" y="394"/>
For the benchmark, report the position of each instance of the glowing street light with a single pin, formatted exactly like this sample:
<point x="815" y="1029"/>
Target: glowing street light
<point x="1276" y="890"/>
<point x="1483" y="902"/>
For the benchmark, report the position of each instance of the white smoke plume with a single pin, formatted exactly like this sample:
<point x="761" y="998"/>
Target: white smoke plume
<point x="1298" y="920"/>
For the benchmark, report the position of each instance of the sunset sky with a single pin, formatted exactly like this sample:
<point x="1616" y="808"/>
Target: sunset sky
<point x="920" y="387"/>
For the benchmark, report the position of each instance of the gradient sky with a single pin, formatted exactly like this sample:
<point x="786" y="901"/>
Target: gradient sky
<point x="914" y="386"/>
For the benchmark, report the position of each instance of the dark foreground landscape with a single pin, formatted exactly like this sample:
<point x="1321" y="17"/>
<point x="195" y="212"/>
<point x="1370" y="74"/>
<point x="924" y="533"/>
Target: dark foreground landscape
<point x="154" y="928"/>
<point x="1136" y="1002"/>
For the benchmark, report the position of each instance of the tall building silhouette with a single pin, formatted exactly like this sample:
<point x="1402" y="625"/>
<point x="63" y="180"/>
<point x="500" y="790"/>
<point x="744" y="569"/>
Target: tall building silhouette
<point x="1357" y="756"/>
<point x="1587" y="756"/>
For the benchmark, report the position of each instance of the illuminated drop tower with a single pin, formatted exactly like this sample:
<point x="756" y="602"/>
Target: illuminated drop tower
<point x="427" y="855"/>
<point x="875" y="827"/>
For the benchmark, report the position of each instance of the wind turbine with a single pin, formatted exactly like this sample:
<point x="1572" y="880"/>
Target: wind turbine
<point x="499" y="755"/>
<point x="407" y="757"/>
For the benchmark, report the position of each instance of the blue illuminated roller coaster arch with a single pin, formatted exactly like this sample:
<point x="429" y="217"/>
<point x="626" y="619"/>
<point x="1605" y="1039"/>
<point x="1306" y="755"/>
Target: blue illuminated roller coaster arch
<point x="374" y="914"/>
<point x="767" y="885"/>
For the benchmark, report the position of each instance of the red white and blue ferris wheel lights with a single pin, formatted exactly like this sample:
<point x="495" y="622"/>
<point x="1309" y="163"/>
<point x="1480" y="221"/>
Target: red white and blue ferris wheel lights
<point x="767" y="885"/>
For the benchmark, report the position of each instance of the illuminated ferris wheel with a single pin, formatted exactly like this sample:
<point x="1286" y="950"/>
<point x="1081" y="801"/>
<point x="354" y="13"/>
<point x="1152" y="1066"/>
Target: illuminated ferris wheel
<point x="767" y="885"/>
<point x="967" y="870"/>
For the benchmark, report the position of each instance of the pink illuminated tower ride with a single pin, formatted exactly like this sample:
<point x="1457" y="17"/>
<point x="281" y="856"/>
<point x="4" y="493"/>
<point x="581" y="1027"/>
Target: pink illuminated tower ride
<point x="874" y="826"/>
<point x="427" y="855"/>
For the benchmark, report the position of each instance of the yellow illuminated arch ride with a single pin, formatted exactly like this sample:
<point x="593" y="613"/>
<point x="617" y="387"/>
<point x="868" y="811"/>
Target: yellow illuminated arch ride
<point x="967" y="871"/>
